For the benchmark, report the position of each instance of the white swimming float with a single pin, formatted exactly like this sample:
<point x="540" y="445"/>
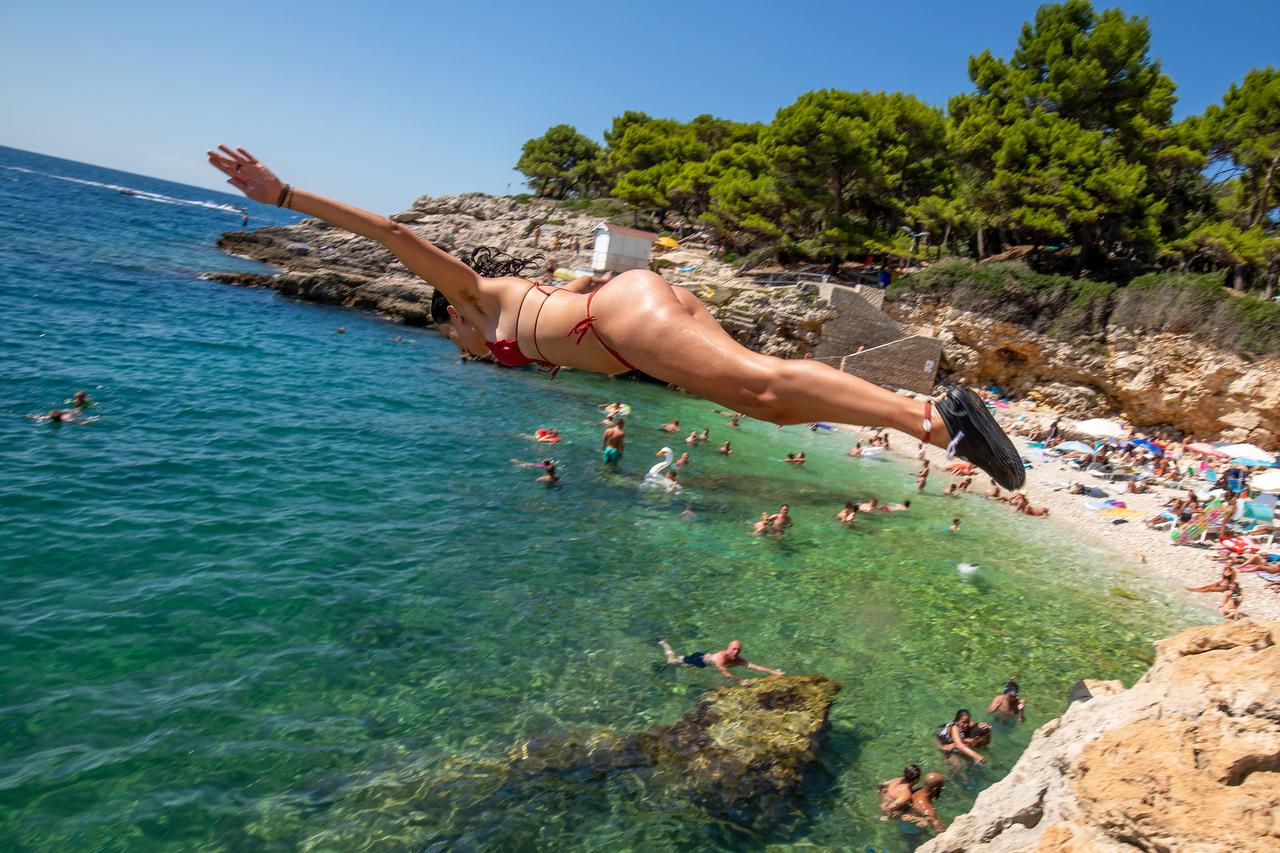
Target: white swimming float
<point x="657" y="476"/>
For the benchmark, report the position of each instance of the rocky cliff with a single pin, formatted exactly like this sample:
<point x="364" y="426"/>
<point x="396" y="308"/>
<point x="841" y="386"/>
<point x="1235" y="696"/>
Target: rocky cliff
<point x="1188" y="759"/>
<point x="1152" y="379"/>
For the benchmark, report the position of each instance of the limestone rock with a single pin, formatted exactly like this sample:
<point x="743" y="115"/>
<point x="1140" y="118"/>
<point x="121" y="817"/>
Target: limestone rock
<point x="1152" y="379"/>
<point x="1188" y="759"/>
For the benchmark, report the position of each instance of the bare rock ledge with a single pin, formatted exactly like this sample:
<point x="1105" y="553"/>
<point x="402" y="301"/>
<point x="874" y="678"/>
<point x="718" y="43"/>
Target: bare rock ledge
<point x="1185" y="761"/>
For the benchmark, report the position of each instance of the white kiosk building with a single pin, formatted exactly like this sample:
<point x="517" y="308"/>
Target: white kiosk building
<point x="619" y="249"/>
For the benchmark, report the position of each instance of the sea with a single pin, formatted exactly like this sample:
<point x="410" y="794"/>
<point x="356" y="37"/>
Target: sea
<point x="286" y="588"/>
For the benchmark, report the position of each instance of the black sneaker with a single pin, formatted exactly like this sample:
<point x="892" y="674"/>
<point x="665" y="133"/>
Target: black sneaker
<point x="976" y="437"/>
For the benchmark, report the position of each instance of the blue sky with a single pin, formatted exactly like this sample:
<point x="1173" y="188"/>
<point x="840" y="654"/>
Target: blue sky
<point x="379" y="104"/>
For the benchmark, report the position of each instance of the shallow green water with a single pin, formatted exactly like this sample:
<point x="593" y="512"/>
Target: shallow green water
<point x="289" y="591"/>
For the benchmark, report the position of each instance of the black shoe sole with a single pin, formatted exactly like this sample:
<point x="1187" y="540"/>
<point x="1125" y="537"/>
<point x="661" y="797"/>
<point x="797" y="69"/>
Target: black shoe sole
<point x="983" y="442"/>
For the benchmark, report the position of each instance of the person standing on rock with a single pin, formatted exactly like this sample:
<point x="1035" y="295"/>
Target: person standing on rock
<point x="722" y="660"/>
<point x="922" y="813"/>
<point x="484" y="306"/>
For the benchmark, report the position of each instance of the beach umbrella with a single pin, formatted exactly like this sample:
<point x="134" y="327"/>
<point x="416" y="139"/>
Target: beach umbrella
<point x="1100" y="428"/>
<point x="1267" y="481"/>
<point x="1150" y="446"/>
<point x="1248" y="451"/>
<point x="1073" y="447"/>
<point x="1206" y="449"/>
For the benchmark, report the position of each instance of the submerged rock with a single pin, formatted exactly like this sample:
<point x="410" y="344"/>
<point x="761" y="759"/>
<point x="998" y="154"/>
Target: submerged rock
<point x="743" y="753"/>
<point x="1188" y="759"/>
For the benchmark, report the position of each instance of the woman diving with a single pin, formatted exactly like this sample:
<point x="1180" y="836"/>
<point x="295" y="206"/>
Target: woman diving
<point x="638" y="322"/>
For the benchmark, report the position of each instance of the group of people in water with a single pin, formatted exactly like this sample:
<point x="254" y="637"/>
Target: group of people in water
<point x="909" y="797"/>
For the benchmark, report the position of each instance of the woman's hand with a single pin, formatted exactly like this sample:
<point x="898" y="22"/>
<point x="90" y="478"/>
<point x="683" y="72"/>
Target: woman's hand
<point x="246" y="174"/>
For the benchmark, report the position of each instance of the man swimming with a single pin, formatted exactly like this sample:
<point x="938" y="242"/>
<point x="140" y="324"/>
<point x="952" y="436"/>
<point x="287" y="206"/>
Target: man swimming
<point x="550" y="477"/>
<point x="611" y="443"/>
<point x="683" y="460"/>
<point x="781" y="519"/>
<point x="895" y="793"/>
<point x="725" y="449"/>
<point x="922" y="813"/>
<point x="1008" y="702"/>
<point x="722" y="660"/>
<point x="674" y="426"/>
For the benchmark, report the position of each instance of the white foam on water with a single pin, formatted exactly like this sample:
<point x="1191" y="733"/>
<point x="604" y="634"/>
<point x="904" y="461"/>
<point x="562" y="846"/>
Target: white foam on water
<point x="145" y="195"/>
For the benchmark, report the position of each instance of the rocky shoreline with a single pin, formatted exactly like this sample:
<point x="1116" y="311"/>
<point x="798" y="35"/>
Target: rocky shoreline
<point x="1150" y="379"/>
<point x="1186" y="760"/>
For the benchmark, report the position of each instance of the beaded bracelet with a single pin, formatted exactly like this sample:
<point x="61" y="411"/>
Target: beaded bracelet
<point x="284" y="193"/>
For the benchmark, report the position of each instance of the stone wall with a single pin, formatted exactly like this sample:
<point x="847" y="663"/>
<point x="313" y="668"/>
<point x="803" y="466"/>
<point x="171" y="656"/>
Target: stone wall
<point x="910" y="363"/>
<point x="858" y="323"/>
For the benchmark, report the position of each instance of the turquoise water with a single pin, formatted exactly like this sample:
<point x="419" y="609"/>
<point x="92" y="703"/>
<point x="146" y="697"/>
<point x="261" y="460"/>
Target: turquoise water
<point x="289" y="592"/>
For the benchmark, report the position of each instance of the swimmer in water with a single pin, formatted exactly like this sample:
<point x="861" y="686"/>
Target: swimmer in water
<point x="780" y="520"/>
<point x="954" y="526"/>
<point x="870" y="505"/>
<point x="895" y="793"/>
<point x="342" y="330"/>
<point x="922" y="813"/>
<point x="962" y="736"/>
<point x="550" y="477"/>
<point x="638" y="322"/>
<point x="670" y="483"/>
<point x="692" y="437"/>
<point x="1008" y="702"/>
<point x="674" y="426"/>
<point x="612" y="442"/>
<point x="683" y="460"/>
<point x="847" y="515"/>
<point x="81" y="400"/>
<point x="722" y="660"/>
<point x="705" y="435"/>
<point x="761" y="526"/>
<point x="902" y="507"/>
<point x="856" y="450"/>
<point x="547" y="435"/>
<point x="545" y="463"/>
<point x="725" y="449"/>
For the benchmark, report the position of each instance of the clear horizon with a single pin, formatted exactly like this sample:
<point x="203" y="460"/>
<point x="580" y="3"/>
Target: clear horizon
<point x="440" y="100"/>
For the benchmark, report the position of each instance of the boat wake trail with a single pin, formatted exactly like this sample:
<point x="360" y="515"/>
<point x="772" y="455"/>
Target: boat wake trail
<point x="144" y="195"/>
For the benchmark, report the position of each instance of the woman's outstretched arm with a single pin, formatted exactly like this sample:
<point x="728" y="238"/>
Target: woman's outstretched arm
<point x="459" y="283"/>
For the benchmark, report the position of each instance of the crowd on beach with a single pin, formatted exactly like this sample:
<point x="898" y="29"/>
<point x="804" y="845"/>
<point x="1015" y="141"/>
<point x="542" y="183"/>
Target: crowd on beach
<point x="1218" y="498"/>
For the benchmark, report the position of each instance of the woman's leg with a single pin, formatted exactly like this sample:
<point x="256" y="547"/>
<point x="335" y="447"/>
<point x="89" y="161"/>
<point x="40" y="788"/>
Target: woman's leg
<point x="673" y="340"/>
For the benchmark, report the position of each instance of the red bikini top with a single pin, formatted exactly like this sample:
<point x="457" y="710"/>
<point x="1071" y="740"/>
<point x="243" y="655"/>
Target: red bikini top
<point x="508" y="353"/>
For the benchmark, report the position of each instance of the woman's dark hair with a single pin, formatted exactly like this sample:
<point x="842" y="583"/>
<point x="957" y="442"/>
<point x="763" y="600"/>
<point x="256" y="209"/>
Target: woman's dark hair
<point x="910" y="773"/>
<point x="963" y="712"/>
<point x="488" y="262"/>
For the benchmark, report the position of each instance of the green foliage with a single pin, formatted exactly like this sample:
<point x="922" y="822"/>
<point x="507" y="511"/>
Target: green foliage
<point x="847" y="165"/>
<point x="560" y="163"/>
<point x="1157" y="302"/>
<point x="1067" y="140"/>
<point x="1061" y="139"/>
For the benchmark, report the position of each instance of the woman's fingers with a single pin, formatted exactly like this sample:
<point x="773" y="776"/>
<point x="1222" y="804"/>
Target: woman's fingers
<point x="238" y="183"/>
<point x="233" y="155"/>
<point x="246" y="155"/>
